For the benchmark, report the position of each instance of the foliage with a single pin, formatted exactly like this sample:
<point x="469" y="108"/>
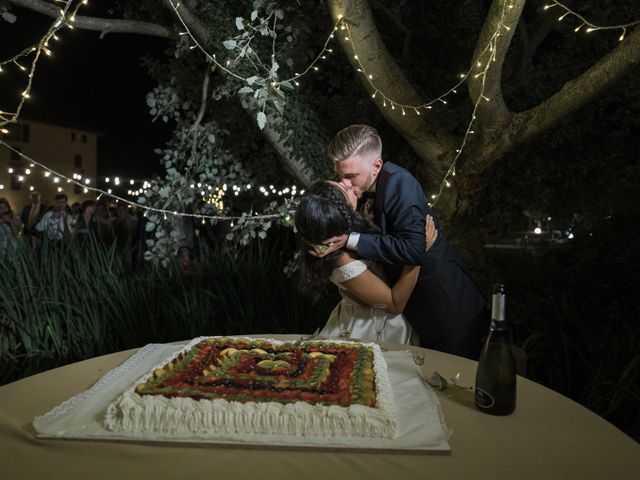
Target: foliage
<point x="202" y="152"/>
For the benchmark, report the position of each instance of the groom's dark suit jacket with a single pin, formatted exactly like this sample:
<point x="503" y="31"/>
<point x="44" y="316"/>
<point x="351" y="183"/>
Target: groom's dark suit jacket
<point x="446" y="309"/>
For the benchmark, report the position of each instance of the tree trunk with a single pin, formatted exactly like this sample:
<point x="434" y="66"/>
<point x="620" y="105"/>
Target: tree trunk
<point x="423" y="132"/>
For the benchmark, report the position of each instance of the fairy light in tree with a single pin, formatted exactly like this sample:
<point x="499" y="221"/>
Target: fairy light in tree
<point x="66" y="14"/>
<point x="379" y="94"/>
<point x="273" y="81"/>
<point x="590" y="26"/>
<point x="491" y="48"/>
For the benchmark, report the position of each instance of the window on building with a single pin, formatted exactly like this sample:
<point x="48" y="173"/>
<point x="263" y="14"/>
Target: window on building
<point x="77" y="161"/>
<point x="77" y="189"/>
<point x="84" y="138"/>
<point x="73" y="136"/>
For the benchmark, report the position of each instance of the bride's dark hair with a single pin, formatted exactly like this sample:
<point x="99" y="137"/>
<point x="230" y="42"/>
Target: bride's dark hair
<point x="323" y="213"/>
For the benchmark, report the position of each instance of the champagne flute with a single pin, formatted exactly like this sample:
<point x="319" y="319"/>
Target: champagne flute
<point x="345" y="319"/>
<point x="379" y="315"/>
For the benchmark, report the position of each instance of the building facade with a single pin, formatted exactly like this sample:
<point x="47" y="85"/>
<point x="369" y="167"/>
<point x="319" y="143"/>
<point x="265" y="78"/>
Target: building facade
<point x="70" y="151"/>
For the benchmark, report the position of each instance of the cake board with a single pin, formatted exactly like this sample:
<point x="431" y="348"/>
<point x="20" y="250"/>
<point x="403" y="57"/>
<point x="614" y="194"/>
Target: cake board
<point x="421" y="425"/>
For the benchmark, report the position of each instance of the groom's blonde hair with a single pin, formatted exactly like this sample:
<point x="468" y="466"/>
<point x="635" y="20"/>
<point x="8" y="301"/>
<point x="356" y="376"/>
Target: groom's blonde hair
<point x="361" y="140"/>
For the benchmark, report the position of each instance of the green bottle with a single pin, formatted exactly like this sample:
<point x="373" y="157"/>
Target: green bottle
<point x="495" y="391"/>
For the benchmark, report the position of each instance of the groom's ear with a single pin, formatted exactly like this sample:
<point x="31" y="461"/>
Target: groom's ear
<point x="377" y="165"/>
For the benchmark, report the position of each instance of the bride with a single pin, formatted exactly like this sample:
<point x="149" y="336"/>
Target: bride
<point x="328" y="209"/>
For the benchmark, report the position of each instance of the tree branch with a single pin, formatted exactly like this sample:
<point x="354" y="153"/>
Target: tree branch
<point x="377" y="4"/>
<point x="574" y="95"/>
<point x="403" y="28"/>
<point x="578" y="92"/>
<point x="494" y="113"/>
<point x="195" y="25"/>
<point x="201" y="111"/>
<point x="532" y="35"/>
<point x="424" y="132"/>
<point x="104" y="25"/>
<point x="296" y="165"/>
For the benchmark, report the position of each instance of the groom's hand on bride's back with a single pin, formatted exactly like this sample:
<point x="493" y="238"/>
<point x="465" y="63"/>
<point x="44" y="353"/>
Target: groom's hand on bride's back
<point x="430" y="232"/>
<point x="334" y="243"/>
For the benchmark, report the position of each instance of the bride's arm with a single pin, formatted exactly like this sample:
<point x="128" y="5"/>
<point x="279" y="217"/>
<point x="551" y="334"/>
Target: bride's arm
<point x="370" y="288"/>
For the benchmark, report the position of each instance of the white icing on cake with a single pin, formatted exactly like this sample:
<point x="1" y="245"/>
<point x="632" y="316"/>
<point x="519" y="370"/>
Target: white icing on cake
<point x="132" y="412"/>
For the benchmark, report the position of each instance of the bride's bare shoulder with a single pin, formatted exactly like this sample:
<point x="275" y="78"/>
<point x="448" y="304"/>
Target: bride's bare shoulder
<point x="345" y="258"/>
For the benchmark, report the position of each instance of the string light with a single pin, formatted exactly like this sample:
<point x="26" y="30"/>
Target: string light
<point x="274" y="82"/>
<point x="591" y="27"/>
<point x="67" y="15"/>
<point x="36" y="50"/>
<point x="388" y="101"/>
<point x="146" y="208"/>
<point x="489" y="48"/>
<point x="492" y="49"/>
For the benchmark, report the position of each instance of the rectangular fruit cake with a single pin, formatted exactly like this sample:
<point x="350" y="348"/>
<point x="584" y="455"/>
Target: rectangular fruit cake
<point x="232" y="385"/>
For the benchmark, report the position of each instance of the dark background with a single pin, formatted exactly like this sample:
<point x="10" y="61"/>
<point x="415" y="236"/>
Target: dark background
<point x="91" y="83"/>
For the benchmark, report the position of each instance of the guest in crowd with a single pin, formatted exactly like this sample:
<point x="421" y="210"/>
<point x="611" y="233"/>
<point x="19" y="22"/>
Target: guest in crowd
<point x="9" y="225"/>
<point x="56" y="224"/>
<point x="30" y="216"/>
<point x="104" y="223"/>
<point x="86" y="223"/>
<point x="75" y="211"/>
<point x="124" y="228"/>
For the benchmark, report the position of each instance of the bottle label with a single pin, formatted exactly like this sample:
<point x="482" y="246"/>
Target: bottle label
<point x="484" y="399"/>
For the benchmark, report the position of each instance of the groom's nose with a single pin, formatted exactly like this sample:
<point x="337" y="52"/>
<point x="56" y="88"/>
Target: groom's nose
<point x="346" y="182"/>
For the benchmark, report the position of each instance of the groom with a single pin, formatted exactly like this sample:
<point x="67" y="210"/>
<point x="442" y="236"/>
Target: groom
<point x="446" y="309"/>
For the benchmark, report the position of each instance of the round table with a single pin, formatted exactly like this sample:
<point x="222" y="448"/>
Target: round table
<point x="548" y="436"/>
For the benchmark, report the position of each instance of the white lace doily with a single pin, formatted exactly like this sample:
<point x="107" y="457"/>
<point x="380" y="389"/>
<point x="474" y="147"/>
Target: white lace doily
<point x="45" y="421"/>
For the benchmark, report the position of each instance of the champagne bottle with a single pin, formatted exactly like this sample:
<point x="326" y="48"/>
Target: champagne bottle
<point x="495" y="391"/>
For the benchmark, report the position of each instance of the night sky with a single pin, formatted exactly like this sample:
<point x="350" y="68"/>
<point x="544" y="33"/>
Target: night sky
<point x="92" y="83"/>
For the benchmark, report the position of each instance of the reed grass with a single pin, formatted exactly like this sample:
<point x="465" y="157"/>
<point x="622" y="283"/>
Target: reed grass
<point x="79" y="301"/>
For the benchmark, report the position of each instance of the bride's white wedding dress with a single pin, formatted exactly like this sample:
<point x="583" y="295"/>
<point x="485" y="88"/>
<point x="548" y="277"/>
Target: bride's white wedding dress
<point x="397" y="329"/>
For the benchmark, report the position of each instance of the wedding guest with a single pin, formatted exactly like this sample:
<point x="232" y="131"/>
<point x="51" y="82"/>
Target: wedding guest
<point x="56" y="224"/>
<point x="185" y="237"/>
<point x="104" y="223"/>
<point x="86" y="223"/>
<point x="75" y="211"/>
<point x="124" y="228"/>
<point x="9" y="225"/>
<point x="30" y="216"/>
